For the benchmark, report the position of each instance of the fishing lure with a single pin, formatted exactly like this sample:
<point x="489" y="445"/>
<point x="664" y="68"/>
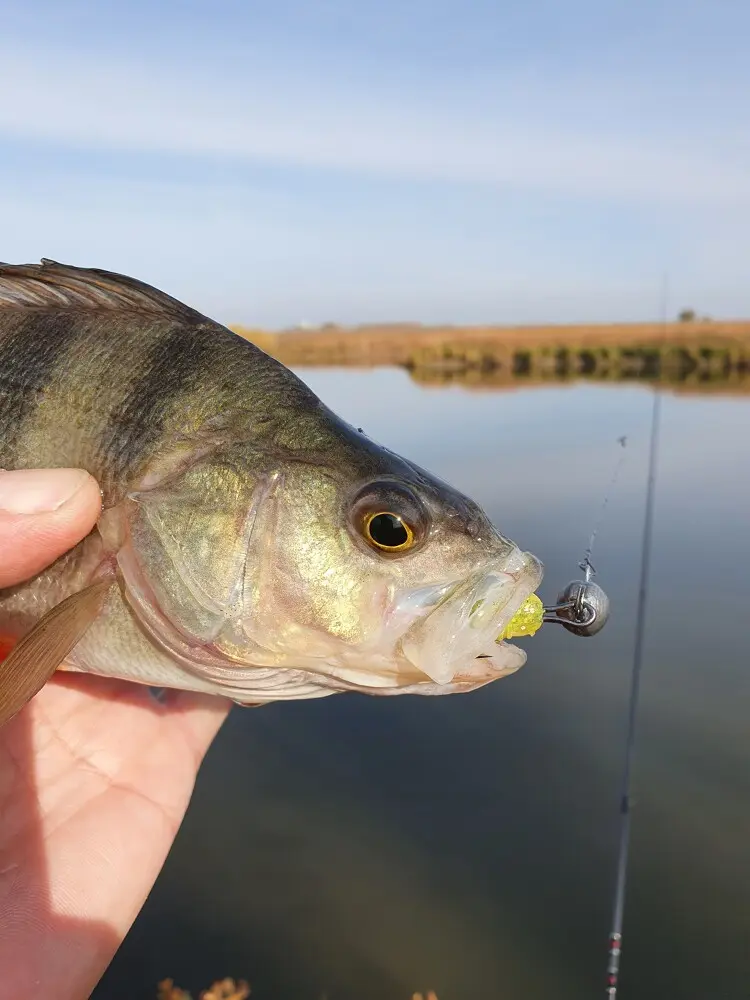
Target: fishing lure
<point x="582" y="607"/>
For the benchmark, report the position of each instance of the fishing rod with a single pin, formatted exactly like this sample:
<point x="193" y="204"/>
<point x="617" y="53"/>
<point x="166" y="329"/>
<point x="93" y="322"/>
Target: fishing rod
<point x="618" y="908"/>
<point x="615" y="937"/>
<point x="583" y="608"/>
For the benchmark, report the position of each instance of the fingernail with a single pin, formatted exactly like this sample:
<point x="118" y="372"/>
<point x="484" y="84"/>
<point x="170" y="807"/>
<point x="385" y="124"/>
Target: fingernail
<point x="38" y="491"/>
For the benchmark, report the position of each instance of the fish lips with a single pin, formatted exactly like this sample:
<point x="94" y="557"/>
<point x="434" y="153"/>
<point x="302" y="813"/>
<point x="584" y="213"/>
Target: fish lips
<point x="460" y="635"/>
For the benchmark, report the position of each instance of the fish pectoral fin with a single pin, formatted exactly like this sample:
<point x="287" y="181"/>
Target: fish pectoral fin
<point x="35" y="657"/>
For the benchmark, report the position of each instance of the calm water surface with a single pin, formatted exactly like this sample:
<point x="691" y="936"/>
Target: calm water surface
<point x="360" y="849"/>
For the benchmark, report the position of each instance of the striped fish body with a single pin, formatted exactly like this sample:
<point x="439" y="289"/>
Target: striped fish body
<point x="100" y="372"/>
<point x="235" y="532"/>
<point x="104" y="373"/>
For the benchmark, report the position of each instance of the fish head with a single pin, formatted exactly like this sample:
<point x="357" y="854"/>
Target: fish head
<point x="397" y="578"/>
<point x="346" y="569"/>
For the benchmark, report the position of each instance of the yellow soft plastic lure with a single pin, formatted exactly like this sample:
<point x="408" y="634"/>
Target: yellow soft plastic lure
<point x="526" y="621"/>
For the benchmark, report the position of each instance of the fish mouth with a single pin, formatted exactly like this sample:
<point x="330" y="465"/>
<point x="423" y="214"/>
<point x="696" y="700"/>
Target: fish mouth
<point x="459" y="641"/>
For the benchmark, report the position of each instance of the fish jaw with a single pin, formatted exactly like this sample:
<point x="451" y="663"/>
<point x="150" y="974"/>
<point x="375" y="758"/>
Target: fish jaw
<point x="464" y="628"/>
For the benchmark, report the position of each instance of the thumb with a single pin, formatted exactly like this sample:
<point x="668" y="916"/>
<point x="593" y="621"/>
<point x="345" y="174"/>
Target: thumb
<point x="43" y="513"/>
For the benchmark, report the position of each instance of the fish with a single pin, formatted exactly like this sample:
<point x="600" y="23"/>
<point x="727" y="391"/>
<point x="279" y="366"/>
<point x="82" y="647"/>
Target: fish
<point x="251" y="543"/>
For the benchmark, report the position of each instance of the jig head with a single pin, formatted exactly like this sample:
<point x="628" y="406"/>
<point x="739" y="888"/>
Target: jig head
<point x="582" y="607"/>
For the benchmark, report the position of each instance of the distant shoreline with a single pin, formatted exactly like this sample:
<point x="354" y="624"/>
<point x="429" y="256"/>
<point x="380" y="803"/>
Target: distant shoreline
<point x="698" y="355"/>
<point x="511" y="335"/>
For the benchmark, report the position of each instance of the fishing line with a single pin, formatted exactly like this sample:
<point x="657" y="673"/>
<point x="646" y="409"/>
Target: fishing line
<point x="583" y="607"/>
<point x="586" y="564"/>
<point x="615" y="937"/>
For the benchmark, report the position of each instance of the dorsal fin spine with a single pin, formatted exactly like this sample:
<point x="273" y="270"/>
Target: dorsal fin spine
<point x="59" y="286"/>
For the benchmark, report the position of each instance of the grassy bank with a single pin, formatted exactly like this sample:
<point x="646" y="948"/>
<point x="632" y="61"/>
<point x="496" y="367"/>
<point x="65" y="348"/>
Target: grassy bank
<point x="696" y="356"/>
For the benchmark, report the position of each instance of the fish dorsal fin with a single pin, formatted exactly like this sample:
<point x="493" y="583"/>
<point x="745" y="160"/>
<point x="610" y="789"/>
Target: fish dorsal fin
<point x="50" y="285"/>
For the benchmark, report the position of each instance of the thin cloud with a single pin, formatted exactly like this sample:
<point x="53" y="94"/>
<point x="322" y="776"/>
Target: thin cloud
<point x="254" y="254"/>
<point x="77" y="99"/>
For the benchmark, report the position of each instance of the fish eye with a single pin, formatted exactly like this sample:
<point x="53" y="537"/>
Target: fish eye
<point x="389" y="518"/>
<point x="386" y="530"/>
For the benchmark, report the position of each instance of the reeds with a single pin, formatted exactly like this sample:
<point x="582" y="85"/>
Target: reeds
<point x="229" y="989"/>
<point x="222" y="989"/>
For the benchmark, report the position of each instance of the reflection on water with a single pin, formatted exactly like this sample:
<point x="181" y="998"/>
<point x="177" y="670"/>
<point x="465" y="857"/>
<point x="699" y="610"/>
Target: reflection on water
<point x="693" y="381"/>
<point x="364" y="848"/>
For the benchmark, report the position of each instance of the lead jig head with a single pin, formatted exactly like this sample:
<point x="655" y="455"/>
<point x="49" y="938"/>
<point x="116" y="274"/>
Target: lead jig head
<point x="582" y="608"/>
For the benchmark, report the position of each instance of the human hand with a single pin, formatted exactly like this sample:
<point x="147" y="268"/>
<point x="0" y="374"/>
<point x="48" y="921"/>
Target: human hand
<point x="95" y="778"/>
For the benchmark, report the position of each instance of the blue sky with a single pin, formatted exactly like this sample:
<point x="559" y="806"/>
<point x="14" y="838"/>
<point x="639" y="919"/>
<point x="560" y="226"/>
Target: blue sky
<point x="421" y="159"/>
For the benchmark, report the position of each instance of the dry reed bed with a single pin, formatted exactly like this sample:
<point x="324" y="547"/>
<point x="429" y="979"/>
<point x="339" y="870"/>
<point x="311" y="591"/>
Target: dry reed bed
<point x="230" y="989"/>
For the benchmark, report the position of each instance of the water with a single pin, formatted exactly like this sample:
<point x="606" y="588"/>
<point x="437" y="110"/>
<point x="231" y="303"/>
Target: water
<point x="361" y="849"/>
